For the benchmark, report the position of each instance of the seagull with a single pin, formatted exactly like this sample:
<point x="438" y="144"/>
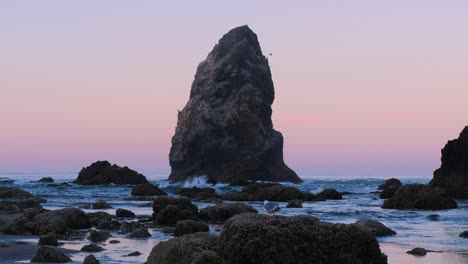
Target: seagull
<point x="271" y="208"/>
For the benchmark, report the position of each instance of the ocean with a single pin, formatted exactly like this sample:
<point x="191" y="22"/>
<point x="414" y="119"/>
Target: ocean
<point x="434" y="230"/>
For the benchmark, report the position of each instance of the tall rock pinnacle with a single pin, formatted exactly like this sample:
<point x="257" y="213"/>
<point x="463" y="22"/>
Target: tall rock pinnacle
<point x="225" y="131"/>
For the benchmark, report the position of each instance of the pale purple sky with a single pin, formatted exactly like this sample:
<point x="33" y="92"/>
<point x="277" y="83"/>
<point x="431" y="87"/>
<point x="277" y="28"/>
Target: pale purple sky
<point x="368" y="88"/>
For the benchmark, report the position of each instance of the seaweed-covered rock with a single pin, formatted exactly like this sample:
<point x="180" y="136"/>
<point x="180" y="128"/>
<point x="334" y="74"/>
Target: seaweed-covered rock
<point x="225" y="131"/>
<point x="375" y="227"/>
<point x="252" y="238"/>
<point x="161" y="202"/>
<point x="186" y="227"/>
<point x="49" y="255"/>
<point x="102" y="172"/>
<point x="199" y="248"/>
<point x="219" y="213"/>
<point x="453" y="172"/>
<point x="124" y="213"/>
<point x="392" y="182"/>
<point x="419" y="196"/>
<point x="172" y="214"/>
<point x="147" y="189"/>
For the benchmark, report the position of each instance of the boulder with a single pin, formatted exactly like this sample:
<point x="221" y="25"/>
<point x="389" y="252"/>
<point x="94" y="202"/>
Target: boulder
<point x="417" y="252"/>
<point x="98" y="236"/>
<point x="419" y="196"/>
<point x="375" y="227"/>
<point x="141" y="232"/>
<point x="124" y="213"/>
<point x="388" y="192"/>
<point x="102" y="172"/>
<point x="392" y="182"/>
<point x="60" y="221"/>
<point x="464" y="234"/>
<point x="49" y="255"/>
<point x="15" y="194"/>
<point x="101" y="204"/>
<point x="92" y="248"/>
<point x="91" y="259"/>
<point x="189" y="249"/>
<point x="198" y="193"/>
<point x="46" y="179"/>
<point x="95" y="218"/>
<point x="294" y="204"/>
<point x="233" y="90"/>
<point x="172" y="214"/>
<point x="329" y="194"/>
<point x="134" y="254"/>
<point x="48" y="240"/>
<point x="253" y="238"/>
<point x="186" y="227"/>
<point x="453" y="172"/>
<point x="147" y="189"/>
<point x="114" y="241"/>
<point x="221" y="212"/>
<point x="161" y="202"/>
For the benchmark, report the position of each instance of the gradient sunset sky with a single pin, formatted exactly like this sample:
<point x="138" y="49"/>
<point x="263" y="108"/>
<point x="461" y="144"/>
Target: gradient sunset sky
<point x="369" y="88"/>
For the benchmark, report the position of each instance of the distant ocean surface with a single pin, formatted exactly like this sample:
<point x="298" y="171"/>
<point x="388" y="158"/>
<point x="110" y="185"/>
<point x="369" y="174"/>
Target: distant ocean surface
<point x="433" y="230"/>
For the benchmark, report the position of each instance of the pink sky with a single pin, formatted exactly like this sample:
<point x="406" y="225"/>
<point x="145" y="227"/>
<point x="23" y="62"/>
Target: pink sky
<point x="367" y="89"/>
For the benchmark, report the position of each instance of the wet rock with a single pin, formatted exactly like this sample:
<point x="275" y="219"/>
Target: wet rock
<point x="46" y="179"/>
<point x="232" y="90"/>
<point x="464" y="234"/>
<point x="271" y="192"/>
<point x="147" y="189"/>
<point x="114" y="241"/>
<point x="392" y="182"/>
<point x="172" y="214"/>
<point x="95" y="218"/>
<point x="61" y="221"/>
<point x="92" y="248"/>
<point x="141" y="232"/>
<point x="235" y="196"/>
<point x="186" y="227"/>
<point x="329" y="194"/>
<point x="98" y="236"/>
<point x="169" y="229"/>
<point x="388" y="192"/>
<point x="102" y="172"/>
<point x="124" y="213"/>
<point x="189" y="249"/>
<point x="417" y="252"/>
<point x="134" y="254"/>
<point x="198" y="193"/>
<point x="221" y="212"/>
<point x="145" y="205"/>
<point x="375" y="227"/>
<point x="419" y="196"/>
<point x="433" y="217"/>
<point x="128" y="227"/>
<point x="252" y="238"/>
<point x="453" y="172"/>
<point x="49" y="255"/>
<point x="100" y="204"/>
<point x="15" y="194"/>
<point x="48" y="240"/>
<point x="91" y="259"/>
<point x="294" y="204"/>
<point x="161" y="202"/>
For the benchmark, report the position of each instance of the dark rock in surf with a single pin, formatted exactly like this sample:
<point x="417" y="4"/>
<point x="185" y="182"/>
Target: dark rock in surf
<point x="220" y="213"/>
<point x="141" y="232"/>
<point x="124" y="213"/>
<point x="147" y="189"/>
<point x="48" y="240"/>
<point x="91" y="259"/>
<point x="98" y="236"/>
<point x="225" y="130"/>
<point x="100" y="205"/>
<point x="375" y="227"/>
<point x="46" y="180"/>
<point x="453" y="172"/>
<point x="168" y="210"/>
<point x="388" y="192"/>
<point x="186" y="227"/>
<point x="464" y="234"/>
<point x="417" y="252"/>
<point x="392" y="182"/>
<point x="49" y="255"/>
<point x="134" y="254"/>
<point x="14" y="194"/>
<point x="92" y="248"/>
<point x="102" y="172"/>
<point x="61" y="221"/>
<point x="199" y="193"/>
<point x="329" y="194"/>
<point x="294" y="204"/>
<point x="94" y="218"/>
<point x="419" y="196"/>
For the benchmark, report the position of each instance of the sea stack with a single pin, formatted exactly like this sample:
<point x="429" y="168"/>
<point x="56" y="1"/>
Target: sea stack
<point x="453" y="173"/>
<point x="225" y="130"/>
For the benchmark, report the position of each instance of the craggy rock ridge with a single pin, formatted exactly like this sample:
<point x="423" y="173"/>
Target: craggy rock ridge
<point x="102" y="172"/>
<point x="453" y="173"/>
<point x="225" y="131"/>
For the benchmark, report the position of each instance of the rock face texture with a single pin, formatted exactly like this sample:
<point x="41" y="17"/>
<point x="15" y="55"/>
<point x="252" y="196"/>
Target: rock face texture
<point x="453" y="173"/>
<point x="225" y="131"/>
<point x="102" y="172"/>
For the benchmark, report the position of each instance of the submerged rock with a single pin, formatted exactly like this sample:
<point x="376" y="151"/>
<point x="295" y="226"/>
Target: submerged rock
<point x="453" y="172"/>
<point x="375" y="227"/>
<point x="220" y="213"/>
<point x="186" y="227"/>
<point x="225" y="130"/>
<point x="417" y="252"/>
<point x="147" y="189"/>
<point x="91" y="259"/>
<point x="102" y="172"/>
<point x="253" y="238"/>
<point x="49" y="255"/>
<point x="100" y="204"/>
<point x="189" y="249"/>
<point x="392" y="182"/>
<point x="46" y="179"/>
<point x="419" y="196"/>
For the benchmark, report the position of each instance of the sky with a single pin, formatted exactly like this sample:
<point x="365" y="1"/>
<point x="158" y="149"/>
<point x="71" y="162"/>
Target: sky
<point x="363" y="88"/>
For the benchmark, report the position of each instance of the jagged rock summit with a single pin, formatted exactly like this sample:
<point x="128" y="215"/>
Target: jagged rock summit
<point x="225" y="131"/>
<point x="453" y="172"/>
